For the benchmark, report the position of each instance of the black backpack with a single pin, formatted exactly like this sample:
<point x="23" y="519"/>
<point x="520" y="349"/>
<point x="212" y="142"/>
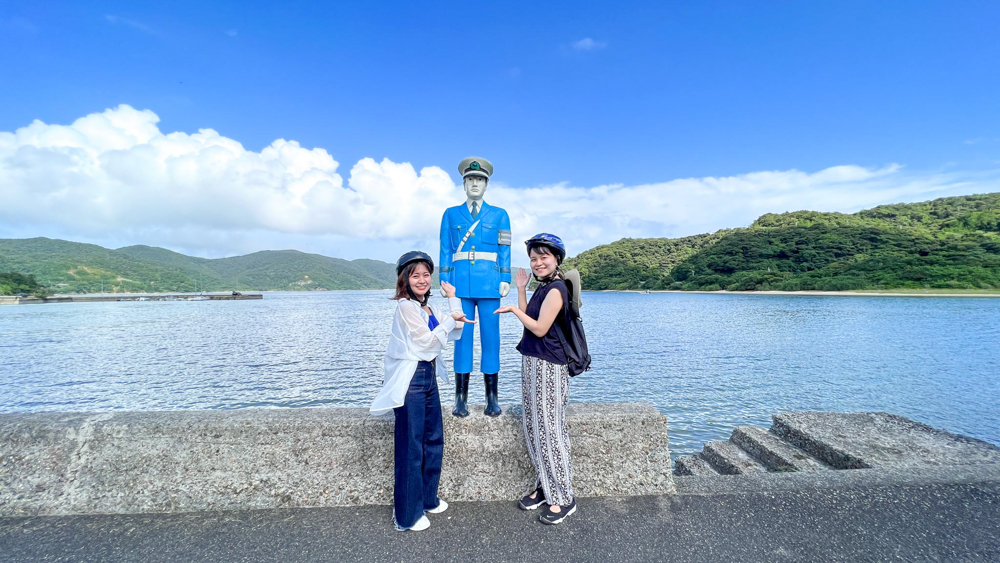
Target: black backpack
<point x="571" y="335"/>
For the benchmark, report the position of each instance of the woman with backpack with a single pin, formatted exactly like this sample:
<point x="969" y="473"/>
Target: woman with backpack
<point x="412" y="360"/>
<point x="545" y="379"/>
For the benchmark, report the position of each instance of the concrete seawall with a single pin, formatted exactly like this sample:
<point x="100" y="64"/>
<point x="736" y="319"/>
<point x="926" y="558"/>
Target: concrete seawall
<point x="181" y="461"/>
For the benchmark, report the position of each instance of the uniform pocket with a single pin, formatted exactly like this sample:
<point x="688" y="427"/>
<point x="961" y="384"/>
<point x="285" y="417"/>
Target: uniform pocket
<point x="457" y="232"/>
<point x="490" y="234"/>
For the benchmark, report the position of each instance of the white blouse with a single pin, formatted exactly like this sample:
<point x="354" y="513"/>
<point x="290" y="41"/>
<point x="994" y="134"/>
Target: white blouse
<point x="412" y="342"/>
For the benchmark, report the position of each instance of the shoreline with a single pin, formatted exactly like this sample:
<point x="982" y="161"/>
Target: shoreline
<point x="817" y="293"/>
<point x="812" y="293"/>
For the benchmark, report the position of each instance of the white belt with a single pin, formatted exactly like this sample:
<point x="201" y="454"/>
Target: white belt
<point x="473" y="256"/>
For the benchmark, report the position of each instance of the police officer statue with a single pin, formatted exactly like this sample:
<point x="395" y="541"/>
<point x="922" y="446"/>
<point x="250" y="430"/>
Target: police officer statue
<point x="475" y="258"/>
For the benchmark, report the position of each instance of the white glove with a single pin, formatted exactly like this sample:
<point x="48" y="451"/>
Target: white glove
<point x="504" y="289"/>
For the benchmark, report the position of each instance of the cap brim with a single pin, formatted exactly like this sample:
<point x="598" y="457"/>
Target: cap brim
<point x="476" y="173"/>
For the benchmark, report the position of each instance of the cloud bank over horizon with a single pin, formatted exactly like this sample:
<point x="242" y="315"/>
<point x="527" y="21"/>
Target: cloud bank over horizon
<point x="113" y="178"/>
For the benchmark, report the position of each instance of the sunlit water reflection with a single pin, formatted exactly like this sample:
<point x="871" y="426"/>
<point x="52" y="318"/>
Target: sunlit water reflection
<point x="708" y="362"/>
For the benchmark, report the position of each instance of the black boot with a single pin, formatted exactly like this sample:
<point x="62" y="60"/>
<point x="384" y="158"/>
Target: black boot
<point x="492" y="404"/>
<point x="461" y="395"/>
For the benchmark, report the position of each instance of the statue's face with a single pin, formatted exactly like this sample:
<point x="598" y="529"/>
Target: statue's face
<point x="475" y="187"/>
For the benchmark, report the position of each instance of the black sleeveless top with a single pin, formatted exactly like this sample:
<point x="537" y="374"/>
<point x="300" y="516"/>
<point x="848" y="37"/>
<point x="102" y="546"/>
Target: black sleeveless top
<point x="548" y="347"/>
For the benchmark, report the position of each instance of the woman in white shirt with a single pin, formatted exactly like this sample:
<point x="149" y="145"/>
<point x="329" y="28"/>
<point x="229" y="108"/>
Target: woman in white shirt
<point x="412" y="360"/>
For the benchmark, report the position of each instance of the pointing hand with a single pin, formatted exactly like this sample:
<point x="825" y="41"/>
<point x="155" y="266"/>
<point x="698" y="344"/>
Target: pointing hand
<point x="460" y="317"/>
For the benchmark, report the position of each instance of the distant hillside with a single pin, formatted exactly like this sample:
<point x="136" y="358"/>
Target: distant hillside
<point x="13" y="283"/>
<point x="292" y="269"/>
<point x="946" y="243"/>
<point x="947" y="215"/>
<point x="70" y="267"/>
<point x="643" y="263"/>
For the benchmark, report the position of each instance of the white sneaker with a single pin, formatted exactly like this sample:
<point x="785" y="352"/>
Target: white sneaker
<point x="441" y="507"/>
<point x="422" y="524"/>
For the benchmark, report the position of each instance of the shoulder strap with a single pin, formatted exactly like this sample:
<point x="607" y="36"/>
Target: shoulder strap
<point x="562" y="325"/>
<point x="468" y="234"/>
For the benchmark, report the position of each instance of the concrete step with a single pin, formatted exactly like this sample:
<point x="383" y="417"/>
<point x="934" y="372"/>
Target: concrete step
<point x="692" y="465"/>
<point x="772" y="451"/>
<point x="727" y="458"/>
<point x="879" y="440"/>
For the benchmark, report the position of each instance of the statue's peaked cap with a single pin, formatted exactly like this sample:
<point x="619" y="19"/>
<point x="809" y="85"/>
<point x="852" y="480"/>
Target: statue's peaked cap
<point x="475" y="166"/>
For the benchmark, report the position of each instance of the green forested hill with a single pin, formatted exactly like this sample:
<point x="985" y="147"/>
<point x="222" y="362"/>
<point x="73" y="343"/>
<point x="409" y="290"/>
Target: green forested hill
<point x="937" y="217"/>
<point x="13" y="283"/>
<point x="291" y="269"/>
<point x="946" y="243"/>
<point x="65" y="267"/>
<point x="828" y="258"/>
<point x="643" y="263"/>
<point x="69" y="267"/>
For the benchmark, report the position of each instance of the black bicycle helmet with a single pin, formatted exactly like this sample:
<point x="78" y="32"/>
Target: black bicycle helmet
<point x="413" y="256"/>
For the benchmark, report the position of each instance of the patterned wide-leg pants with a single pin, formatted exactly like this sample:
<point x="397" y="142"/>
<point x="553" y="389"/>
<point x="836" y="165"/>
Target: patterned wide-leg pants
<point x="545" y="393"/>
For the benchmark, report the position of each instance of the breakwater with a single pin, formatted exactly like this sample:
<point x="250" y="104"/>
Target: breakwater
<point x="180" y="461"/>
<point x="11" y="300"/>
<point x="814" y="442"/>
<point x="184" y="461"/>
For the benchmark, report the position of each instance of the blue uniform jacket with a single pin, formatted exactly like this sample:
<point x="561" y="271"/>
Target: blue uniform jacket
<point x="480" y="279"/>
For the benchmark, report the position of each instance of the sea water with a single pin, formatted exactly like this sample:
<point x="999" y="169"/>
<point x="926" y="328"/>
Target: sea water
<point x="708" y="362"/>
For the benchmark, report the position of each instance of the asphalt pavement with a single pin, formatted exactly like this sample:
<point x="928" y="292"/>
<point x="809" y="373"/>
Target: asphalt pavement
<point x="931" y="522"/>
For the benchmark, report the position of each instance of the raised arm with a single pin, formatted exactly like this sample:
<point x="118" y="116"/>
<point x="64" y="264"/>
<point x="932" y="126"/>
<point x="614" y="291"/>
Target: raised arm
<point x="551" y="308"/>
<point x="522" y="289"/>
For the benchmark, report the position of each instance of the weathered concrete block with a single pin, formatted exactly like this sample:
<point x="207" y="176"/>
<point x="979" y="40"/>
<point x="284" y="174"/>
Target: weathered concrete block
<point x="772" y="451"/>
<point x="37" y="455"/>
<point x="879" y="440"/>
<point x="728" y="459"/>
<point x="693" y="465"/>
<point x="245" y="459"/>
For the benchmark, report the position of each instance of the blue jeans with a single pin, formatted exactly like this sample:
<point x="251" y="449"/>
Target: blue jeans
<point x="419" y="442"/>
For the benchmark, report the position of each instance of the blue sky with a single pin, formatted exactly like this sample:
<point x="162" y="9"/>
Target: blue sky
<point x="565" y="99"/>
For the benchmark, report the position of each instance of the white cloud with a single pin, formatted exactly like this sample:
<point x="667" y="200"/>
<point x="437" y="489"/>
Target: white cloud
<point x="586" y="217"/>
<point x="588" y="44"/>
<point x="114" y="178"/>
<point x="980" y="140"/>
<point x="116" y="170"/>
<point x="115" y="20"/>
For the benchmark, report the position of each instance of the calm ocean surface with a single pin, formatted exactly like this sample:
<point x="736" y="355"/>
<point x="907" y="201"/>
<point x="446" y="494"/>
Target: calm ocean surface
<point x="708" y="362"/>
